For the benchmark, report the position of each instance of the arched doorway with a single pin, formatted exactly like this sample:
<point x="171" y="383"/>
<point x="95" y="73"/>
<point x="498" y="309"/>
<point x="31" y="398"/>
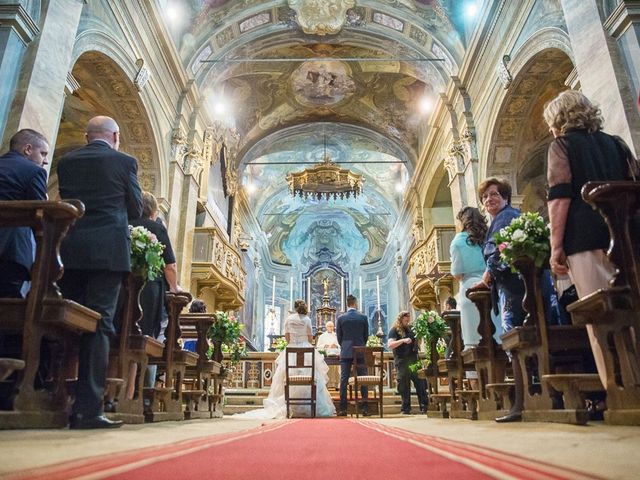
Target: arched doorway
<point x="98" y="86"/>
<point x="520" y="136"/>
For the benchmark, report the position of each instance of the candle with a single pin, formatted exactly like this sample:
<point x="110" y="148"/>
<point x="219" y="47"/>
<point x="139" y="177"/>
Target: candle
<point x="378" y="289"/>
<point x="309" y="291"/>
<point x="273" y="296"/>
<point x="342" y="294"/>
<point x="360" y="290"/>
<point x="291" y="293"/>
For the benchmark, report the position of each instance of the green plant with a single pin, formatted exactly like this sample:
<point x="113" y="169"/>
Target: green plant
<point x="280" y="344"/>
<point x="227" y="332"/>
<point x="419" y="365"/>
<point x="429" y="326"/>
<point x="526" y="236"/>
<point x="373" y="341"/>
<point x="146" y="253"/>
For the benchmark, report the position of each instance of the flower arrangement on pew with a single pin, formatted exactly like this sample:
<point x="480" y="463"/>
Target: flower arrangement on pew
<point x="280" y="344"/>
<point x="526" y="236"/>
<point x="146" y="253"/>
<point x="429" y="326"/>
<point x="226" y="332"/>
<point x="373" y="341"/>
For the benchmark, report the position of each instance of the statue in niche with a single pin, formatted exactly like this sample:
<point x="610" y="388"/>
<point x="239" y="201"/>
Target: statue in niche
<point x="325" y="283"/>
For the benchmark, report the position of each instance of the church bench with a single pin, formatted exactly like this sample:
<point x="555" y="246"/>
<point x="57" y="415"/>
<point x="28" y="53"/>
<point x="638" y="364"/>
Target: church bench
<point x="573" y="388"/>
<point x="36" y="395"/>
<point x="129" y="357"/>
<point x="165" y="403"/>
<point x="438" y="405"/>
<point x="546" y="350"/>
<point x="488" y="358"/>
<point x="433" y="373"/>
<point x="205" y="375"/>
<point x="613" y="314"/>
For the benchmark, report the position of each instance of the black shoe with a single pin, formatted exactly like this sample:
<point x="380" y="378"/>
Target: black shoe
<point x="510" y="417"/>
<point x="80" y="423"/>
<point x="423" y="411"/>
<point x="365" y="413"/>
<point x="406" y="412"/>
<point x="342" y="413"/>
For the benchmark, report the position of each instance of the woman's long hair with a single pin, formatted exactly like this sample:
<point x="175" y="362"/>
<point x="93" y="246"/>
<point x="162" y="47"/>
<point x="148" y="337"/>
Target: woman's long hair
<point x="398" y="323"/>
<point x="474" y="223"/>
<point x="571" y="109"/>
<point x="300" y="306"/>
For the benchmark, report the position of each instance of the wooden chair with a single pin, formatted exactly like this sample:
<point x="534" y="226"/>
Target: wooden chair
<point x="371" y="358"/>
<point x="299" y="374"/>
<point x="44" y="314"/>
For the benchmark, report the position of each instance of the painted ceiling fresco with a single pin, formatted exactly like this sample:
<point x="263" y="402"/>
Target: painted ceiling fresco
<point x="364" y="110"/>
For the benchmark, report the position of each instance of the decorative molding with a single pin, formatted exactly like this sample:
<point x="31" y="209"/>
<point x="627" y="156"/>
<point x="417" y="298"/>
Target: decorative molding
<point x="623" y="16"/>
<point x="319" y="17"/>
<point x="504" y="75"/>
<point x="573" y="80"/>
<point x="20" y="21"/>
<point x="71" y="86"/>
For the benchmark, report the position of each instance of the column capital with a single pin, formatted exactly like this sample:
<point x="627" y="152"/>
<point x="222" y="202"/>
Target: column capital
<point x="626" y="13"/>
<point x="20" y="21"/>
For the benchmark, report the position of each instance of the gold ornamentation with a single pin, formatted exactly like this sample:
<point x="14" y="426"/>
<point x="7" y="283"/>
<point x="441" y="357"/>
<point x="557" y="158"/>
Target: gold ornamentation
<point x="321" y="17"/>
<point x="325" y="180"/>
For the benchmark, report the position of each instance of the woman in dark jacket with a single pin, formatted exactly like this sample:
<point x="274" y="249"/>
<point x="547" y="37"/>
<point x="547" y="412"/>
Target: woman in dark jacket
<point x="580" y="153"/>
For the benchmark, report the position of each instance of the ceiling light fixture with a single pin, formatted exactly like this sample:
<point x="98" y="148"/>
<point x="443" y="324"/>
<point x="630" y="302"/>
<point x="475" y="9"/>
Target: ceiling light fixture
<point x="325" y="180"/>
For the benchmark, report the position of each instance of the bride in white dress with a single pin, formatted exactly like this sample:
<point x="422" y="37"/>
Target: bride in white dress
<point x="298" y="333"/>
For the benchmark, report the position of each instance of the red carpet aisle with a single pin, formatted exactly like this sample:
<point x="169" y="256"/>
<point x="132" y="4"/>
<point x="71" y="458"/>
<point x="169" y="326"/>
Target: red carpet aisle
<point x="308" y="449"/>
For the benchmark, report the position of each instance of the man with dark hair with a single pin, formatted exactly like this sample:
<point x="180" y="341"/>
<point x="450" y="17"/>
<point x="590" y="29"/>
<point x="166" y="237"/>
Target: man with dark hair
<point x="450" y="304"/>
<point x="21" y="178"/>
<point x="352" y="330"/>
<point x="96" y="254"/>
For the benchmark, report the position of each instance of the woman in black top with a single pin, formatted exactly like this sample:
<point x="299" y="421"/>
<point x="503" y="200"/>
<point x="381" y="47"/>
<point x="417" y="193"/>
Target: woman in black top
<point x="402" y="341"/>
<point x="152" y="295"/>
<point x="580" y="153"/>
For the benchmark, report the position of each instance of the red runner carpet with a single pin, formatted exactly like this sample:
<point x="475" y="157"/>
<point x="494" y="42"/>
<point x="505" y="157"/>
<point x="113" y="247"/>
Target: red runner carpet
<point x="309" y="449"/>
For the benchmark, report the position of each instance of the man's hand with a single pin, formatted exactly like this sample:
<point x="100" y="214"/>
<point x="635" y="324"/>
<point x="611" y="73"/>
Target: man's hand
<point x="176" y="289"/>
<point x="558" y="261"/>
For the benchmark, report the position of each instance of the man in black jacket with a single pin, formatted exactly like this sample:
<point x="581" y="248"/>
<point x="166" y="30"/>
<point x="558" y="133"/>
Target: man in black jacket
<point x="352" y="330"/>
<point x="95" y="253"/>
<point x="22" y="177"/>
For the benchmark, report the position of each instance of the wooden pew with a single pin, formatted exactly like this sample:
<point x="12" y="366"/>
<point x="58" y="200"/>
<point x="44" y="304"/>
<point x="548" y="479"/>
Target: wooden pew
<point x="546" y="350"/>
<point x="452" y="365"/>
<point x="43" y="316"/>
<point x="165" y="403"/>
<point x="438" y="401"/>
<point x="205" y="375"/>
<point x="129" y="357"/>
<point x="614" y="313"/>
<point x="490" y="362"/>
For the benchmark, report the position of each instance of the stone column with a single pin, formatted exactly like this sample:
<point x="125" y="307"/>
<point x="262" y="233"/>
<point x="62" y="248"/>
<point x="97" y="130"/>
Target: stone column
<point x="454" y="163"/>
<point x="624" y="25"/>
<point x="471" y="179"/>
<point x="39" y="97"/>
<point x="17" y="30"/>
<point x="601" y="70"/>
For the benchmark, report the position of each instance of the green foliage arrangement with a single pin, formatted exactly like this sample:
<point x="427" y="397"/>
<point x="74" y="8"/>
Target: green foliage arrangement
<point x="280" y="344"/>
<point x="428" y="326"/>
<point x="373" y="341"/>
<point x="228" y="332"/>
<point x="526" y="236"/>
<point x="146" y="253"/>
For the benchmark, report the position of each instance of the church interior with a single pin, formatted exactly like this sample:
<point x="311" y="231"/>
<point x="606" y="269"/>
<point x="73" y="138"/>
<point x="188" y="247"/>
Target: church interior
<point x="320" y="150"/>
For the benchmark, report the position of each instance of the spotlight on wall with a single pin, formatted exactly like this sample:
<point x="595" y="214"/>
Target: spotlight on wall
<point x="425" y="105"/>
<point x="471" y="9"/>
<point x="250" y="187"/>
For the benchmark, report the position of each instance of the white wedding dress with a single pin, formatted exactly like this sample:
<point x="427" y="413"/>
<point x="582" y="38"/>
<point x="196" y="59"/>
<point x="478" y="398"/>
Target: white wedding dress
<point x="299" y="329"/>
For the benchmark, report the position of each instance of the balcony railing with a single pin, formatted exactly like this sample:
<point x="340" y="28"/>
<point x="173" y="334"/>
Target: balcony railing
<point x="218" y="266"/>
<point x="429" y="262"/>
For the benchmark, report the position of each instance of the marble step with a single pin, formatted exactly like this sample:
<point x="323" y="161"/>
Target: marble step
<point x="388" y="409"/>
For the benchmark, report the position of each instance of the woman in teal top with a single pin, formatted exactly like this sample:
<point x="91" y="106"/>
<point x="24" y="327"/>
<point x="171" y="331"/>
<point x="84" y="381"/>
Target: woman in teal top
<point x="467" y="266"/>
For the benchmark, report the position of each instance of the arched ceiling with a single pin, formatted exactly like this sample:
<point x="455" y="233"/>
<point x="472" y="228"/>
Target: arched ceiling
<point x="366" y="106"/>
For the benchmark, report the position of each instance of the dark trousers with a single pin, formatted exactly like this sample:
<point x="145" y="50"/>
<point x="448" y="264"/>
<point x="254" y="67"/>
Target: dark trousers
<point x="11" y="279"/>
<point x="345" y="372"/>
<point x="97" y="290"/>
<point x="404" y="379"/>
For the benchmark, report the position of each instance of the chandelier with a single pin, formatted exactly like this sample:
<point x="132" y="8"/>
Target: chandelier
<point x="325" y="180"/>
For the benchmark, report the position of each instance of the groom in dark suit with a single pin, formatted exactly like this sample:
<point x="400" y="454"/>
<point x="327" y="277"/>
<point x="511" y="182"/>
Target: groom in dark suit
<point x="352" y="330"/>
<point x="22" y="177"/>
<point x="95" y="253"/>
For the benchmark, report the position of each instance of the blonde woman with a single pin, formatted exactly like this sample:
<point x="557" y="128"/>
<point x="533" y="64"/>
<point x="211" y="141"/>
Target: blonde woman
<point x="581" y="152"/>
<point x="402" y="341"/>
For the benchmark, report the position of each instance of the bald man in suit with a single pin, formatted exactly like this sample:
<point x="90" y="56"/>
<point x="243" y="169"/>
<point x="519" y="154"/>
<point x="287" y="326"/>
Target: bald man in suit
<point x="95" y="253"/>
